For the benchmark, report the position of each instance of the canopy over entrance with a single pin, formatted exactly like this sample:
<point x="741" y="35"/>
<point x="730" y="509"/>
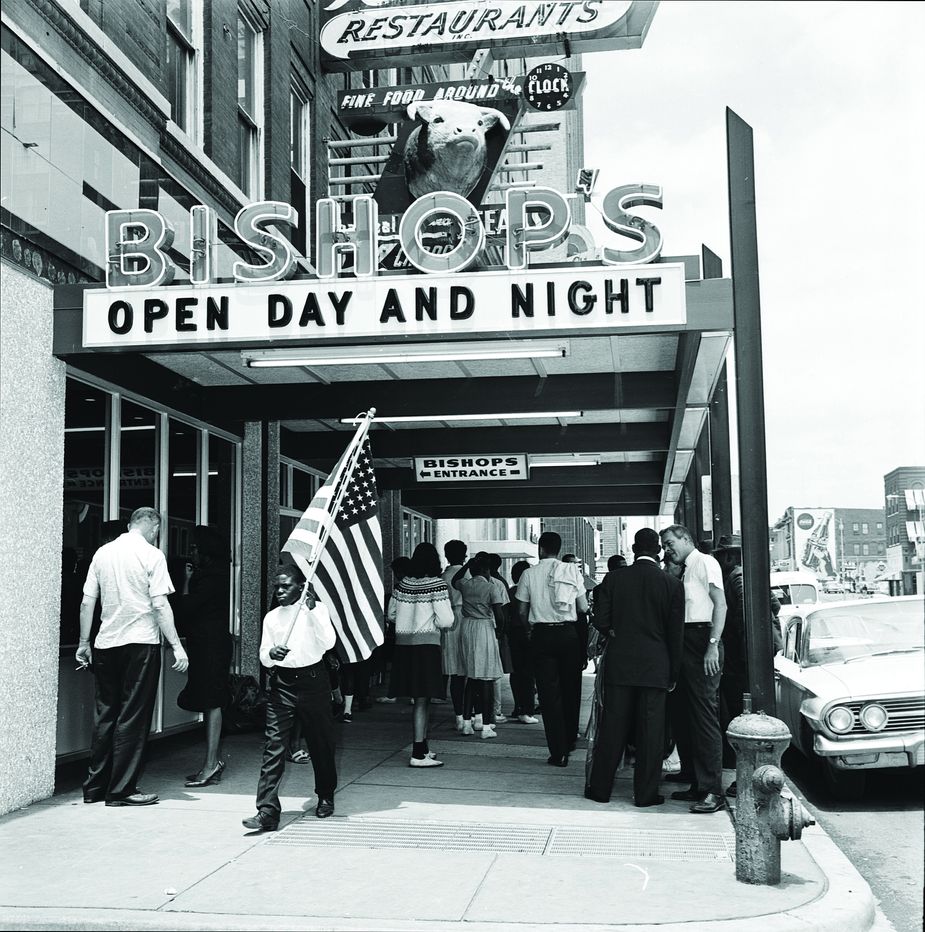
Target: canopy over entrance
<point x="608" y="420"/>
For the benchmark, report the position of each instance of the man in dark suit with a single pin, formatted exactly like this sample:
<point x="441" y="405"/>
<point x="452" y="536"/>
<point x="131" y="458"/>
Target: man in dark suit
<point x="643" y="618"/>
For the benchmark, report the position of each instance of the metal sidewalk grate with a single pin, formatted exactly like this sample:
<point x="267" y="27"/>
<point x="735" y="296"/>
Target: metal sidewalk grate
<point x="401" y="833"/>
<point x="555" y="841"/>
<point x="652" y="846"/>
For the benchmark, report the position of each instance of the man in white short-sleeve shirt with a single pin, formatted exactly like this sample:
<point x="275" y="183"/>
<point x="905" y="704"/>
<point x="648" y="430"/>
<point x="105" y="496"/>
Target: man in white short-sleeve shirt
<point x="694" y="704"/>
<point x="129" y="576"/>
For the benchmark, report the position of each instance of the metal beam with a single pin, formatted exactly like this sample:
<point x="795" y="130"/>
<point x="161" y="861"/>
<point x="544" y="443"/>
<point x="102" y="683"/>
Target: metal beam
<point x="544" y="511"/>
<point x="484" y="494"/>
<point x="592" y="392"/>
<point x="607" y="474"/>
<point x="440" y="441"/>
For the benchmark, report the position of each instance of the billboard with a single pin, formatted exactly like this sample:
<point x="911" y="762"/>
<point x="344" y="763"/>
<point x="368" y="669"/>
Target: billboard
<point x="814" y="541"/>
<point x="374" y="34"/>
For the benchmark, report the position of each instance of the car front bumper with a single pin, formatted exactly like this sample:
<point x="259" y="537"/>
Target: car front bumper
<point x="873" y="752"/>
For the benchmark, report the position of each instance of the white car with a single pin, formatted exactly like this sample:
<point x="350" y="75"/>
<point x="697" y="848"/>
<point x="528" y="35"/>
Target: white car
<point x="851" y="687"/>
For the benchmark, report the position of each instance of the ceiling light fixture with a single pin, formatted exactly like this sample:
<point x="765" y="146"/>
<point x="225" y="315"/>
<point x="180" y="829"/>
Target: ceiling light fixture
<point x="415" y="352"/>
<point x="426" y="418"/>
<point x="534" y="464"/>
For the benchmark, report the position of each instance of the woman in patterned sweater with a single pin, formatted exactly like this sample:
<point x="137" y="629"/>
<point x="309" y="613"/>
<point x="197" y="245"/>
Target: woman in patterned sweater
<point x="420" y="607"/>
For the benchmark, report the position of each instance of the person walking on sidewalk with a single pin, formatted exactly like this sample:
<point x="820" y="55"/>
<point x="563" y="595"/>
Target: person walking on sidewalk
<point x="420" y="607"/>
<point x="523" y="683"/>
<point x="641" y="614"/>
<point x="550" y="596"/>
<point x="129" y="576"/>
<point x="299" y="688"/>
<point x="695" y="703"/>
<point x="455" y="553"/>
<point x="481" y="614"/>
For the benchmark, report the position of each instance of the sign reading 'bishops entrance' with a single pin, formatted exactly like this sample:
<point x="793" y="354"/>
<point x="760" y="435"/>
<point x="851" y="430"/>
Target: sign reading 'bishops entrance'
<point x="473" y="467"/>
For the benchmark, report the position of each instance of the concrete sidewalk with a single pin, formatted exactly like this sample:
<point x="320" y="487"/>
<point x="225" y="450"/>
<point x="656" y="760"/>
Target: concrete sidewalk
<point x="495" y="839"/>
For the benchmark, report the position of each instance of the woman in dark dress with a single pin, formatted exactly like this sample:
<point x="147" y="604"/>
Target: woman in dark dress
<point x="202" y="612"/>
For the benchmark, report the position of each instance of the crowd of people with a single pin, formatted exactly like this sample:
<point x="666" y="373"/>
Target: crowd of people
<point x="667" y="643"/>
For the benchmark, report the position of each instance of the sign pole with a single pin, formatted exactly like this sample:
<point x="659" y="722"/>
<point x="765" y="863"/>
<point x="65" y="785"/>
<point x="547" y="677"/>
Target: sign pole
<point x="753" y="479"/>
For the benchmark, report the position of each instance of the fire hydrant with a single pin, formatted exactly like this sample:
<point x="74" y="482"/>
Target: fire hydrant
<point x="762" y="816"/>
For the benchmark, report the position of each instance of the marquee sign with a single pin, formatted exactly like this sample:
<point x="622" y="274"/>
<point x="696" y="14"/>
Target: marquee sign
<point x="527" y="303"/>
<point x="370" y="34"/>
<point x="472" y="467"/>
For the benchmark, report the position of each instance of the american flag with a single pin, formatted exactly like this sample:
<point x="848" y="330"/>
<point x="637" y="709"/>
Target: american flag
<point x="348" y="574"/>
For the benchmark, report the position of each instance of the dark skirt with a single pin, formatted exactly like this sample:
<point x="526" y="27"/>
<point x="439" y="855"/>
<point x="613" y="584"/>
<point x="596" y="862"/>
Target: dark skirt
<point x="417" y="672"/>
<point x="207" y="682"/>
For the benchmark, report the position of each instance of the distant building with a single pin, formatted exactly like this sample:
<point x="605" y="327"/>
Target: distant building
<point x="577" y="537"/>
<point x="904" y="497"/>
<point x="613" y="540"/>
<point x="843" y="544"/>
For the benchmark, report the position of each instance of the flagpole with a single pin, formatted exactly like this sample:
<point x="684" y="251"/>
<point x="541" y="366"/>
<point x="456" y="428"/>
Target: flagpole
<point x="340" y="487"/>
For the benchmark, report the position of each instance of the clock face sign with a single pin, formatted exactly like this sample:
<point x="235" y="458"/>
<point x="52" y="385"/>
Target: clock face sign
<point x="548" y="87"/>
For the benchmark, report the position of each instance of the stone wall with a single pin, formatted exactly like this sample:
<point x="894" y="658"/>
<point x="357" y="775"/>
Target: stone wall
<point x="31" y="464"/>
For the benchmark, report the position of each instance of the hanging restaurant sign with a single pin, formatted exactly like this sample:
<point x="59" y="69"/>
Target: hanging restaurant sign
<point x="370" y="34"/>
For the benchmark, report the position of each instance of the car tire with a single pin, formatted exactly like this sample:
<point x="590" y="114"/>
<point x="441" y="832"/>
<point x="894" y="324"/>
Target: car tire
<point x="844" y="785"/>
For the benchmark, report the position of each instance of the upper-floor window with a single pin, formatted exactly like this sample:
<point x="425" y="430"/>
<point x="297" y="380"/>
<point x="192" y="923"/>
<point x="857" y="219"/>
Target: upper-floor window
<point x="857" y="549"/>
<point x="879" y="527"/>
<point x="299" y="129"/>
<point x="865" y="550"/>
<point x="250" y="105"/>
<point x="865" y="528"/>
<point x="855" y="527"/>
<point x="182" y="65"/>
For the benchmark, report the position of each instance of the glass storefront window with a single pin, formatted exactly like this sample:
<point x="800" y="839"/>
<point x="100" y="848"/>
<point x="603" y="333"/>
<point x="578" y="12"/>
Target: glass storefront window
<point x="222" y="489"/>
<point x="138" y="457"/>
<point x="303" y="488"/>
<point x="183" y="467"/>
<point x="85" y="416"/>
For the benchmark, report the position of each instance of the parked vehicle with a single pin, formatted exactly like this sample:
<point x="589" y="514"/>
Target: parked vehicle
<point x="793" y="591"/>
<point x="851" y="687"/>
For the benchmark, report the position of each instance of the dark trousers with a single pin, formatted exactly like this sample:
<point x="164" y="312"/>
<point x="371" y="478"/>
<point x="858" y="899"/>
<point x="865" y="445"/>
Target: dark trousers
<point x="731" y="687"/>
<point x="523" y="682"/>
<point x="557" y="667"/>
<point x="126" y="688"/>
<point x="354" y="679"/>
<point x="636" y="710"/>
<point x="303" y="694"/>
<point x="695" y="714"/>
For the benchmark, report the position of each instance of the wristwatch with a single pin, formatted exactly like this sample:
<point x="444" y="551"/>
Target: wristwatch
<point x="714" y="640"/>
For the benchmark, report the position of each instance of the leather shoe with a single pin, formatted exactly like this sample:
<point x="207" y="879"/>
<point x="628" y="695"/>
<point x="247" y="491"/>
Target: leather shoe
<point x="655" y="801"/>
<point x="589" y="794"/>
<point x="136" y="799"/>
<point x="93" y="798"/>
<point x="732" y="789"/>
<point x="692" y="795"/>
<point x="678" y="778"/>
<point x="558" y="761"/>
<point x="710" y="803"/>
<point x="261" y="823"/>
<point x="214" y="777"/>
<point x="324" y="808"/>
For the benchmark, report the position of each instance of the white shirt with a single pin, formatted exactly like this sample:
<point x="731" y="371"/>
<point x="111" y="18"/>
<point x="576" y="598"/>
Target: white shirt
<point x="126" y="574"/>
<point x="312" y="634"/>
<point x="533" y="587"/>
<point x="700" y="571"/>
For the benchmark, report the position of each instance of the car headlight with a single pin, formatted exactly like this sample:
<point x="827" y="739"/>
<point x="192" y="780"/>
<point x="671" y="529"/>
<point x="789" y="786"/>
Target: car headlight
<point x="874" y="717"/>
<point x="840" y="719"/>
